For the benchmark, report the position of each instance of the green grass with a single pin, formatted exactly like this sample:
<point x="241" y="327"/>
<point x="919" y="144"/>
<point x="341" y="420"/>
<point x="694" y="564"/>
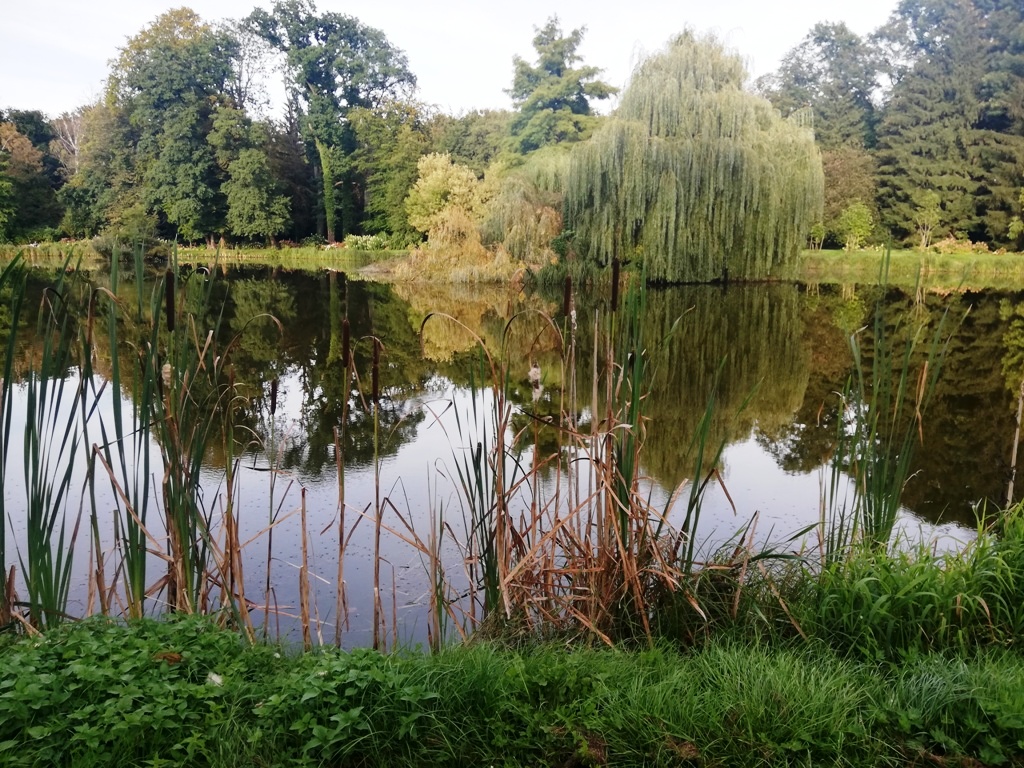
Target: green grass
<point x="897" y="603"/>
<point x="182" y="692"/>
<point x="908" y="268"/>
<point x="304" y="257"/>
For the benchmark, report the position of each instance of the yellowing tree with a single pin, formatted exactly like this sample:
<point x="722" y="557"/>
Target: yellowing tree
<point x="441" y="187"/>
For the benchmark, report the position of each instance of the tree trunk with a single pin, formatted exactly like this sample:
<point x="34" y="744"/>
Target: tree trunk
<point x="328" y="181"/>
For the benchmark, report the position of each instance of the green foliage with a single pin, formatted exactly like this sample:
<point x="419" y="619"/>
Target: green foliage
<point x="256" y="204"/>
<point x="894" y="604"/>
<point x="474" y="139"/>
<point x="948" y="126"/>
<point x="850" y="177"/>
<point x="928" y="216"/>
<point x="834" y="72"/>
<point x="255" y="207"/>
<point x="27" y="202"/>
<point x="523" y="214"/>
<point x="183" y="692"/>
<point x="104" y="693"/>
<point x="6" y="202"/>
<point x="1016" y="228"/>
<point x="55" y="405"/>
<point x="855" y="224"/>
<point x="167" y="82"/>
<point x="817" y="235"/>
<point x="105" y="193"/>
<point x="391" y="139"/>
<point x="336" y="64"/>
<point x="554" y="97"/>
<point x="441" y="186"/>
<point x="675" y="174"/>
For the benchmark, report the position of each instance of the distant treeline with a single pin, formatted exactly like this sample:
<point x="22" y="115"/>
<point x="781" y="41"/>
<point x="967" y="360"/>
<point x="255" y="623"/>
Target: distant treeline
<point x="921" y="122"/>
<point x="920" y="126"/>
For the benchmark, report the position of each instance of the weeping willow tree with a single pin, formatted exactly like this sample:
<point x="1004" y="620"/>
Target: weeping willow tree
<point x="695" y="176"/>
<point x="524" y="211"/>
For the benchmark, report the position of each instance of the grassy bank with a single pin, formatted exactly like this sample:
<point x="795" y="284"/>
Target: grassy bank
<point x="182" y="692"/>
<point x="907" y="269"/>
<point x="910" y="268"/>
<point x="305" y="257"/>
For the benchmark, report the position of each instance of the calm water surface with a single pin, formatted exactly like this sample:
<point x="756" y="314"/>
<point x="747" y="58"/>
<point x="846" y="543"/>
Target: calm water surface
<point x="776" y="357"/>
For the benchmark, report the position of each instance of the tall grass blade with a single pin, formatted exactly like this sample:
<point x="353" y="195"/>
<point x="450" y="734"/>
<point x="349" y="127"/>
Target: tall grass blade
<point x="13" y="278"/>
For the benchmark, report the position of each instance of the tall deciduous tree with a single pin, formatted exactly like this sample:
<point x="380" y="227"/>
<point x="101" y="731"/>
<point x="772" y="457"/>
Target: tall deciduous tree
<point x="105" y="192"/>
<point x="291" y="166"/>
<point x="336" y="64"/>
<point x="553" y="97"/>
<point x="66" y="143"/>
<point x="700" y="178"/>
<point x="442" y="185"/>
<point x="389" y="143"/>
<point x="835" y="73"/>
<point x="256" y="204"/>
<point x="255" y="207"/>
<point x="32" y="206"/>
<point x="168" y="80"/>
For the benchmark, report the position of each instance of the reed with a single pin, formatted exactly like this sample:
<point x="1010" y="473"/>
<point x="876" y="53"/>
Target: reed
<point x="51" y="447"/>
<point x="12" y="276"/>
<point x="585" y="552"/>
<point x="883" y="421"/>
<point x="183" y="399"/>
<point x="124" y="450"/>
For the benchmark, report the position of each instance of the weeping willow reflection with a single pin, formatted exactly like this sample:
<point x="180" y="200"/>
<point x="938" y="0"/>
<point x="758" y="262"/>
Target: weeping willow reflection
<point x="740" y="344"/>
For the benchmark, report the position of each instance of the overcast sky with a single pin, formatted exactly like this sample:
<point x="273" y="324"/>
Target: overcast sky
<point x="54" y="54"/>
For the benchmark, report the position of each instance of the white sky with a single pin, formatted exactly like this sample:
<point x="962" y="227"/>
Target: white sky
<point x="54" y="54"/>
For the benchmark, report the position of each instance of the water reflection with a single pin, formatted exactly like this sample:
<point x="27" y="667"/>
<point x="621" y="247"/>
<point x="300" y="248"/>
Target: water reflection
<point x="773" y="358"/>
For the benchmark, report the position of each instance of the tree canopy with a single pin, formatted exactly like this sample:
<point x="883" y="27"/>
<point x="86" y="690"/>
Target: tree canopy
<point x="920" y="122"/>
<point x="336" y="64"/>
<point x="834" y="72"/>
<point x="697" y="177"/>
<point x="923" y="121"/>
<point x="553" y="97"/>
<point x="953" y="126"/>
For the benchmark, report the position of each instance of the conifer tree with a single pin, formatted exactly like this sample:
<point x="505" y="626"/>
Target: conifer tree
<point x="952" y="126"/>
<point x="554" y="96"/>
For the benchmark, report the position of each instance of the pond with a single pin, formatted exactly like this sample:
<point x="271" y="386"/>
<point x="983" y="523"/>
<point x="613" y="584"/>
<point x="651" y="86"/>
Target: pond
<point x="773" y="359"/>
